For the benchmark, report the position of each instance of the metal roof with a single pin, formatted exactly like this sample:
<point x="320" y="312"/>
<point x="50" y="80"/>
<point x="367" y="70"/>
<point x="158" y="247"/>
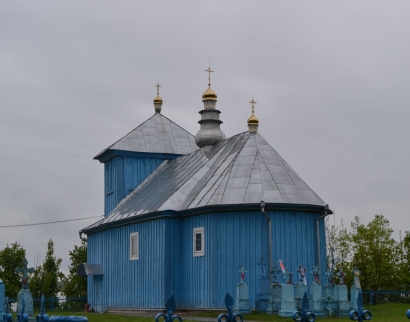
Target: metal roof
<point x="158" y="134"/>
<point x="243" y="169"/>
<point x="85" y="269"/>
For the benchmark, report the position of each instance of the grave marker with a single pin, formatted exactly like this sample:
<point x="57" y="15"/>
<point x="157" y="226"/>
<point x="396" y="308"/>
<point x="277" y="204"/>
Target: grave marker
<point x="263" y="295"/>
<point x="25" y="294"/>
<point x="242" y="304"/>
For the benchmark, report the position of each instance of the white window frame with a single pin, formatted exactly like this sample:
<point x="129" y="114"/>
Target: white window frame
<point x="196" y="231"/>
<point x="135" y="256"/>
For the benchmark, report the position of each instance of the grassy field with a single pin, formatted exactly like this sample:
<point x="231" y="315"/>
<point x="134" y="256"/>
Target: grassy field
<point x="392" y="312"/>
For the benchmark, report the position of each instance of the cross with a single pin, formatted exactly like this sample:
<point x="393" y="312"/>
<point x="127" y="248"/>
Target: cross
<point x="253" y="105"/>
<point x="209" y="75"/>
<point x="262" y="264"/>
<point x="157" y="86"/>
<point x="24" y="270"/>
<point x="242" y="273"/>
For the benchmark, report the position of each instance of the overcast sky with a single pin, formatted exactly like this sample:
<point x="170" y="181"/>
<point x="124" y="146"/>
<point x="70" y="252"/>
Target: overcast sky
<point x="331" y="80"/>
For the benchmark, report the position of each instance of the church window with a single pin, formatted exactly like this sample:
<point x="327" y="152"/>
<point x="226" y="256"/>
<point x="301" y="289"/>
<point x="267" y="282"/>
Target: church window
<point x="198" y="241"/>
<point x="134" y="253"/>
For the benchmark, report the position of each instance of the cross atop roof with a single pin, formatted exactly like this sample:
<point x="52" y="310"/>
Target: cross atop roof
<point x="209" y="75"/>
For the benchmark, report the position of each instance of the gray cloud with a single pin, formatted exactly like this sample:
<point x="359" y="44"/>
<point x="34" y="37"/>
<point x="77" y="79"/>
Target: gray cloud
<point x="330" y="80"/>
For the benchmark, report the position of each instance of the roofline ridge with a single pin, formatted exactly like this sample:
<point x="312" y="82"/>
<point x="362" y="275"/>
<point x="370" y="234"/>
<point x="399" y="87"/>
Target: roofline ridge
<point x="160" y="114"/>
<point x="301" y="179"/>
<point x="106" y="149"/>
<point x="283" y="160"/>
<point x="233" y="160"/>
<point x="174" y="124"/>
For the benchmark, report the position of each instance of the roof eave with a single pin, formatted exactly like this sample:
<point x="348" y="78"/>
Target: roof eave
<point x="110" y="153"/>
<point x="196" y="211"/>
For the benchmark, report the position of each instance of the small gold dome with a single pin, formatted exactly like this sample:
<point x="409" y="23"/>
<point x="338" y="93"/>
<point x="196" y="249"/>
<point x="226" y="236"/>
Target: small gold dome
<point x="209" y="95"/>
<point x="253" y="119"/>
<point x="158" y="99"/>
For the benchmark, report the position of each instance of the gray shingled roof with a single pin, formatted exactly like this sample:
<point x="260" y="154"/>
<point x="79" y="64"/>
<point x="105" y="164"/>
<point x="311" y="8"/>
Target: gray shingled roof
<point x="158" y="134"/>
<point x="243" y="169"/>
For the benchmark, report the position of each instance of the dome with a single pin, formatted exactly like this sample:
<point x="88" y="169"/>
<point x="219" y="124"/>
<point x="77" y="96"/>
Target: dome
<point x="253" y="119"/>
<point x="209" y="95"/>
<point x="158" y="99"/>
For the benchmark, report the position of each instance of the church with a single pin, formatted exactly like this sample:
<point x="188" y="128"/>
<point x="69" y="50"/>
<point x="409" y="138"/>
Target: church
<point x="184" y="212"/>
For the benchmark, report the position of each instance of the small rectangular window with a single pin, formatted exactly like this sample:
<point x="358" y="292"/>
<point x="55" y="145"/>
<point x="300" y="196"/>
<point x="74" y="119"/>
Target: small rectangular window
<point x="198" y="241"/>
<point x="134" y="253"/>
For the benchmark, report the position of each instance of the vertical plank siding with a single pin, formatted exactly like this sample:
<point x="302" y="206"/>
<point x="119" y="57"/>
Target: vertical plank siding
<point x="129" y="283"/>
<point x="123" y="174"/>
<point x="166" y="264"/>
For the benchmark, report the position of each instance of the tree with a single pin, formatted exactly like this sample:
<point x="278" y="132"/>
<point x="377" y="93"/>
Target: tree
<point x="11" y="257"/>
<point x="404" y="263"/>
<point x="375" y="253"/>
<point x="339" y="244"/>
<point x="46" y="277"/>
<point x="74" y="285"/>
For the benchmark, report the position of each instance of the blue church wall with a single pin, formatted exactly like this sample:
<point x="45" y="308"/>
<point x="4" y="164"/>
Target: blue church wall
<point x="123" y="174"/>
<point x="129" y="283"/>
<point x="236" y="238"/>
<point x="166" y="263"/>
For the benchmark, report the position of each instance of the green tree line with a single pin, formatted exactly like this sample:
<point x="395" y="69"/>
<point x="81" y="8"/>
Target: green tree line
<point x="383" y="262"/>
<point x="47" y="277"/>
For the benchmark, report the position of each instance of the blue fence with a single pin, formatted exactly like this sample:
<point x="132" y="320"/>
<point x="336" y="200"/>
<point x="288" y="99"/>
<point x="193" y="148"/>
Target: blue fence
<point x="376" y="297"/>
<point x="53" y="304"/>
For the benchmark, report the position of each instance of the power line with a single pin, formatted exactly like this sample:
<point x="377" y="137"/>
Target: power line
<point x="49" y="222"/>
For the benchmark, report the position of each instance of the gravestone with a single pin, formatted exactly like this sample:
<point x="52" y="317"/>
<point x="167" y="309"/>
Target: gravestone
<point x="301" y="285"/>
<point x="330" y="290"/>
<point x="263" y="295"/>
<point x="25" y="294"/>
<point x="287" y="303"/>
<point x="341" y="300"/>
<point x="316" y="300"/>
<point x="355" y="289"/>
<point x="242" y="304"/>
<point x="354" y="293"/>
<point x="274" y="304"/>
<point x="2" y="298"/>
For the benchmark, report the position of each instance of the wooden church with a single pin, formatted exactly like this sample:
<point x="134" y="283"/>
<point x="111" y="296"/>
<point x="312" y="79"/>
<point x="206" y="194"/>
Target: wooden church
<point x="182" y="213"/>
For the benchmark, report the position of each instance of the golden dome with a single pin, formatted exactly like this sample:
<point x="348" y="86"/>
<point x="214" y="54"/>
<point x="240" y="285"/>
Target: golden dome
<point x="253" y="119"/>
<point x="158" y="100"/>
<point x="209" y="95"/>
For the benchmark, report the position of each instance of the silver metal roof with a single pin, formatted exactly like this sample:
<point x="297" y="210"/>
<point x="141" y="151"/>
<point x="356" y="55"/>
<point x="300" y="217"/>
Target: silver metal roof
<point x="243" y="169"/>
<point x="85" y="269"/>
<point x="158" y="134"/>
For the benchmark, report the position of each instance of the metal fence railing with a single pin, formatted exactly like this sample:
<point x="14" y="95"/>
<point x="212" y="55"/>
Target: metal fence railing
<point x="377" y="297"/>
<point x="53" y="304"/>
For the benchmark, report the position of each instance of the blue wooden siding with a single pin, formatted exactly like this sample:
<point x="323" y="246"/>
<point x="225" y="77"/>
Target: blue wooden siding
<point x="167" y="265"/>
<point x="123" y="174"/>
<point x="129" y="283"/>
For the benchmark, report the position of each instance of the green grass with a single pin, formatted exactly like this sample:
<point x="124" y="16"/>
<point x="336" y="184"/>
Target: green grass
<point x="391" y="312"/>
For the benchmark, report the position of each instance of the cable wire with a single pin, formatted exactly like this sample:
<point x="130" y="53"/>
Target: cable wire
<point x="49" y="222"/>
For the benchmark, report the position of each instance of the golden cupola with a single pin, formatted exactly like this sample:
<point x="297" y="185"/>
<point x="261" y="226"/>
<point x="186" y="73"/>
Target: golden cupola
<point x="158" y="101"/>
<point x="253" y="122"/>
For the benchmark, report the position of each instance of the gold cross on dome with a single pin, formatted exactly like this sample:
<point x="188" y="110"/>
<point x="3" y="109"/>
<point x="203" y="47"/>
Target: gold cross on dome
<point x="253" y="105"/>
<point x="209" y="75"/>
<point x="157" y="86"/>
